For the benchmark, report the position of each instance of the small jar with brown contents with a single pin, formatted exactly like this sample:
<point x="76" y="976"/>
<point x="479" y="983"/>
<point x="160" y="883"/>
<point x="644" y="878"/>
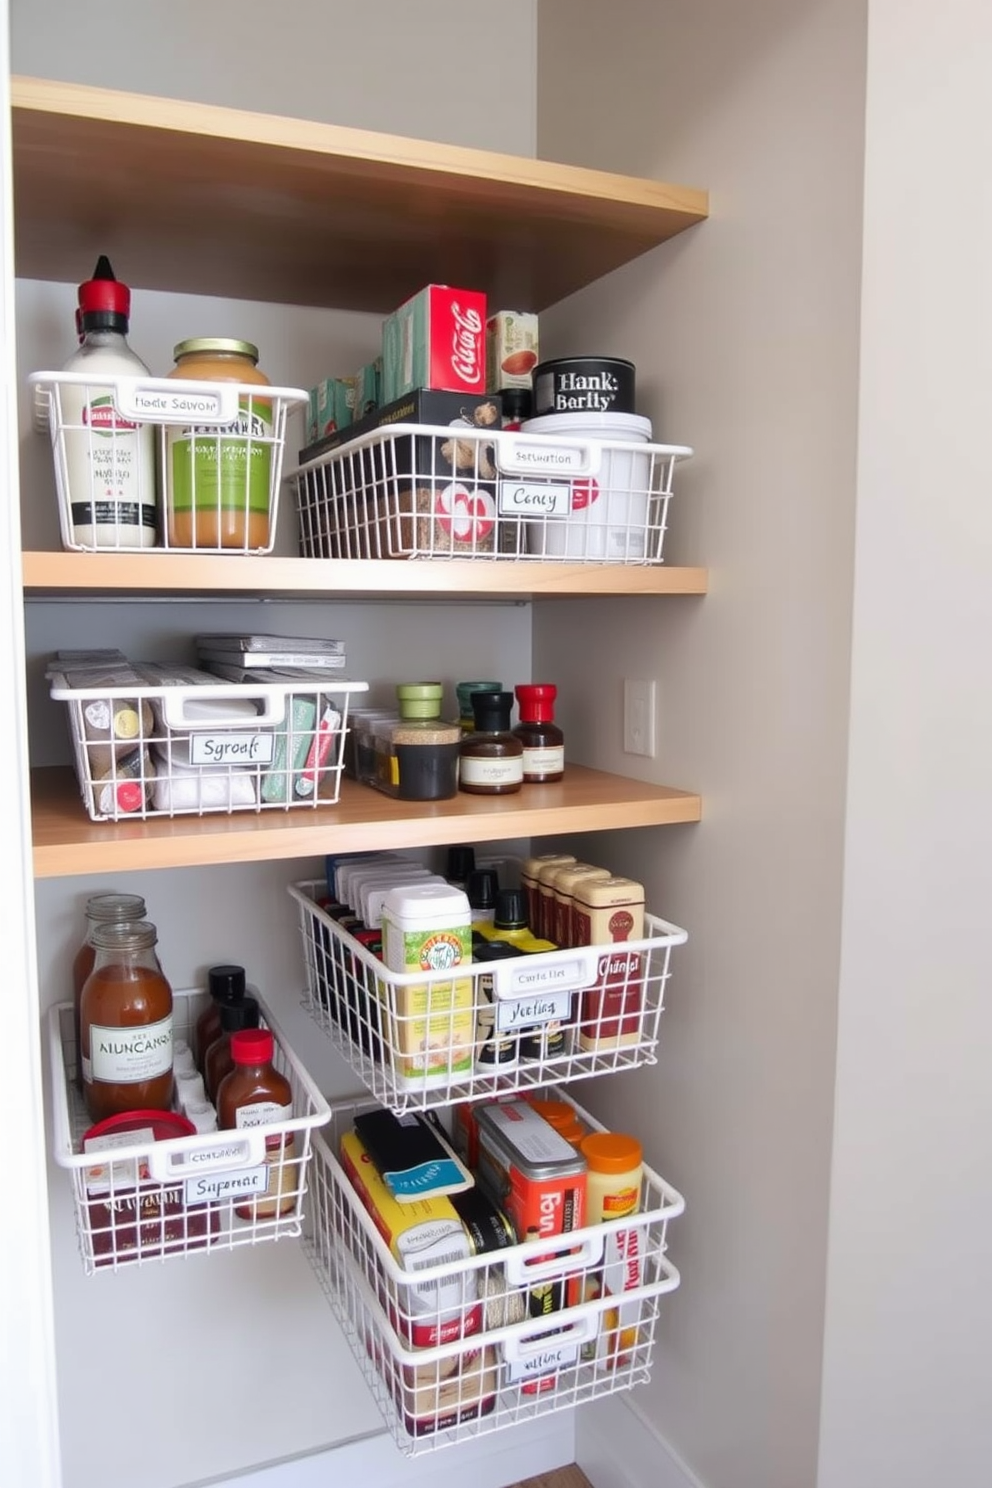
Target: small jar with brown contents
<point x="543" y="740"/>
<point x="256" y="1094"/>
<point x="125" y="1024"/>
<point x="492" y="758"/>
<point x="217" y="476"/>
<point x="101" y="909"/>
<point x="421" y="749"/>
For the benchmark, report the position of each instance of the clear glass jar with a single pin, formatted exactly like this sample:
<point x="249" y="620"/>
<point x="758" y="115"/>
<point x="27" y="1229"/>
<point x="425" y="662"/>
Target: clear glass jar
<point x="217" y="477"/>
<point x="125" y="1023"/>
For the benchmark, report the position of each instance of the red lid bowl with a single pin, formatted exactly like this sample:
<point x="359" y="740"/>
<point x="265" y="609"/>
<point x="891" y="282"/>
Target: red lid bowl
<point x="165" y="1125"/>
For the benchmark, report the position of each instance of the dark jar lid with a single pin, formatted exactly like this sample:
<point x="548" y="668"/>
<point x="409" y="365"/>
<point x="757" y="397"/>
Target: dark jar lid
<point x="492" y="711"/>
<point x="226" y="984"/>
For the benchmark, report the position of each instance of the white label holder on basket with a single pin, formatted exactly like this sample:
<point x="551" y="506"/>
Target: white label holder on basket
<point x="170" y="400"/>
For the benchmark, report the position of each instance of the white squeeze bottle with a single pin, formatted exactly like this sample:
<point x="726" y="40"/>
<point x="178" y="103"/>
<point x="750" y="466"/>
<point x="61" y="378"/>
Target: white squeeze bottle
<point x="110" y="462"/>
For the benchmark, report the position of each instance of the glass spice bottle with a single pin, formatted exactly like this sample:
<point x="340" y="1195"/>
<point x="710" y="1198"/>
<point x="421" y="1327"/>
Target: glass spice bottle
<point x="424" y="745"/>
<point x="219" y="1061"/>
<point x="543" y="740"/>
<point x="101" y="909"/>
<point x="125" y="1023"/>
<point x="256" y="1094"/>
<point x="492" y="758"/>
<point x="226" y="986"/>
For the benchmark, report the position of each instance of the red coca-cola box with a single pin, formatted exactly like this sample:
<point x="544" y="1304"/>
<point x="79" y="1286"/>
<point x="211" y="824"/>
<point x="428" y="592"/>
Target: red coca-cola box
<point x="435" y="340"/>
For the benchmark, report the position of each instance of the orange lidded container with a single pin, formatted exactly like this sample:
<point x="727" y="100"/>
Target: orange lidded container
<point x="614" y="1163"/>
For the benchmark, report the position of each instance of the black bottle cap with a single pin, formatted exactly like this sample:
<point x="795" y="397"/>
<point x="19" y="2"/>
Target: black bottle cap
<point x="461" y="862"/>
<point x="494" y="950"/>
<point x="226" y="984"/>
<point x="510" y="913"/>
<point x="234" y="1016"/>
<point x="482" y="886"/>
<point x="517" y="404"/>
<point x="492" y="711"/>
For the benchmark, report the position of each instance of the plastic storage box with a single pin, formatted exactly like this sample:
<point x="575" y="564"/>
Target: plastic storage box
<point x="421" y="491"/>
<point x="151" y="740"/>
<point x="415" y="1046"/>
<point x="160" y="1200"/>
<point x="494" y="1365"/>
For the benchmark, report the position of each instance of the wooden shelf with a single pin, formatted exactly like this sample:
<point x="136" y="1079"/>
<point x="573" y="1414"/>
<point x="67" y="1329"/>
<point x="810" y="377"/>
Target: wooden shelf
<point x="192" y="198"/>
<point x="193" y="574"/>
<point x="66" y="842"/>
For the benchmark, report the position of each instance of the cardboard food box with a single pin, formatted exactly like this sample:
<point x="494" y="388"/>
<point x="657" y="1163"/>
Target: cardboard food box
<point x="423" y="493"/>
<point x="332" y="406"/>
<point x="435" y="340"/>
<point x="511" y="349"/>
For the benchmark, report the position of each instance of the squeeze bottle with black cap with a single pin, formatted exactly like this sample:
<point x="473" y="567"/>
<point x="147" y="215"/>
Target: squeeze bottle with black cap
<point x="109" y="461"/>
<point x="226" y="985"/>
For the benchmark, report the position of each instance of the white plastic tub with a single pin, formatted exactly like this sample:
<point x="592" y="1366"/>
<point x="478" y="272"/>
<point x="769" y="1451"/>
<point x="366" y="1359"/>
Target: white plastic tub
<point x="608" y="512"/>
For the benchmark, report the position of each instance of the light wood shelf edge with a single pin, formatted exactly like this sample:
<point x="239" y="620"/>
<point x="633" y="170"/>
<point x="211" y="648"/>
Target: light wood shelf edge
<point x="67" y="843"/>
<point x="192" y="574"/>
<point x="361" y="149"/>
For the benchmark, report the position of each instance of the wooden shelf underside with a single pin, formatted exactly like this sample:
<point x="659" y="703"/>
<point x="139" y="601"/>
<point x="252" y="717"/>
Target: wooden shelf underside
<point x="204" y="200"/>
<point x="66" y="842"/>
<point x="326" y="578"/>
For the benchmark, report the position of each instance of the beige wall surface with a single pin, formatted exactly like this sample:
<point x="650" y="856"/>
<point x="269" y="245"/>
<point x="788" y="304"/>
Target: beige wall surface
<point x="436" y="69"/>
<point x="745" y="336"/>
<point x="909" y="1308"/>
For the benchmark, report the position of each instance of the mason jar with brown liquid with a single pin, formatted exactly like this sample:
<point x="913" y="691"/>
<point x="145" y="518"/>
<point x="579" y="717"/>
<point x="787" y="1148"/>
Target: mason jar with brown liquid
<point x="125" y="1023"/>
<point x="101" y="909"/>
<point x="217" y="476"/>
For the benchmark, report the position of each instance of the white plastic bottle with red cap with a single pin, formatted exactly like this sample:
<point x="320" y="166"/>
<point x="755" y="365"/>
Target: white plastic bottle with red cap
<point x="110" y="462"/>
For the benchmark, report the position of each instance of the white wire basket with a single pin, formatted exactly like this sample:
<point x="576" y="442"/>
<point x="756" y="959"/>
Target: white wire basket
<point x="492" y="1365"/>
<point x="152" y="745"/>
<point x="156" y="1201"/>
<point x="425" y="491"/>
<point x="153" y="463"/>
<point x="416" y="1045"/>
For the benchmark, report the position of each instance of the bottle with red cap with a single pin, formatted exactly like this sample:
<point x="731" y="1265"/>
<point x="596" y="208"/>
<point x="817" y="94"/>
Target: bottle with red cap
<point x="543" y="740"/>
<point x="254" y="1093"/>
<point x="110" y="461"/>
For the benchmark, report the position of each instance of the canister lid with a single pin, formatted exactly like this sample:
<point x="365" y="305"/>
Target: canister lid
<point x="537" y="701"/>
<point x="223" y="344"/>
<point x="164" y="1125"/>
<point x="510" y="912"/>
<point x="124" y="935"/>
<point x="611" y="1152"/>
<point x="600" y="893"/>
<point x="420" y="699"/>
<point x="226" y="984"/>
<point x="108" y="908"/>
<point x="252" y="1046"/>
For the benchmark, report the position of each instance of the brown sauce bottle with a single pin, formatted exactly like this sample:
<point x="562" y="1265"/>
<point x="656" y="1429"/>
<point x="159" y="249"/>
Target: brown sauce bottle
<point x="125" y="1024"/>
<point x="101" y="909"/>
<point x="226" y="985"/>
<point x="219" y="1060"/>
<point x="256" y="1094"/>
<point x="492" y="758"/>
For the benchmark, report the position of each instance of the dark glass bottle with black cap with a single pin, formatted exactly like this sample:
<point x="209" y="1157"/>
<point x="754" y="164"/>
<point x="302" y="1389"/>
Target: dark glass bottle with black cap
<point x="226" y="986"/>
<point x="218" y="1060"/>
<point x="492" y="758"/>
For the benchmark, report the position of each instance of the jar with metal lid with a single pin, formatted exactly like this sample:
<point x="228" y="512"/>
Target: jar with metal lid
<point x="125" y="1023"/>
<point x="217" y="476"/>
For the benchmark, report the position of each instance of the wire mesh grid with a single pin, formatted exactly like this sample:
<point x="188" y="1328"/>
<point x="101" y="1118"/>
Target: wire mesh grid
<point x="155" y="740"/>
<point x="459" y="1345"/>
<point x="422" y="491"/>
<point x="154" y="1201"/>
<point x="543" y="1019"/>
<point x="163" y="463"/>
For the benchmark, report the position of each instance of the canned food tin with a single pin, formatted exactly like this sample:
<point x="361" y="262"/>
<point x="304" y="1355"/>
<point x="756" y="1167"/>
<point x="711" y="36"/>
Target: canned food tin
<point x="593" y="384"/>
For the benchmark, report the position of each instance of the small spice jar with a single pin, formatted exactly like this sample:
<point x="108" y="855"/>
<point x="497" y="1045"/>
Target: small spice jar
<point x="492" y="758"/>
<point x="543" y="740"/>
<point x="424" y="745"/>
<point x="217" y="476"/>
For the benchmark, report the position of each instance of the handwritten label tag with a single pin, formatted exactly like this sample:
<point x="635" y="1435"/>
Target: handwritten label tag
<point x="530" y="1012"/>
<point x="232" y="1185"/>
<point x="158" y="402"/>
<point x="231" y="749"/>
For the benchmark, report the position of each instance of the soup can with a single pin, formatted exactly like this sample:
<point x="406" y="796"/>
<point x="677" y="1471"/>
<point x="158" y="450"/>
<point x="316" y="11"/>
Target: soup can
<point x="589" y="384"/>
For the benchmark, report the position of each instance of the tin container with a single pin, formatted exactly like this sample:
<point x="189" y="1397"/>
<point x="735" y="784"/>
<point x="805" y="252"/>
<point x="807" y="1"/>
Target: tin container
<point x="592" y="384"/>
<point x="609" y="912"/>
<point x="427" y="928"/>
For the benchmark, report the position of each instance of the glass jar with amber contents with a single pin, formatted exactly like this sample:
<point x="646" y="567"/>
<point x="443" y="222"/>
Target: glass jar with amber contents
<point x="125" y="1023"/>
<point x="217" y="476"/>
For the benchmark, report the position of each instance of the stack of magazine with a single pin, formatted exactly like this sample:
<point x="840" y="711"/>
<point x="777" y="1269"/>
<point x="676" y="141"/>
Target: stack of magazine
<point x="251" y="657"/>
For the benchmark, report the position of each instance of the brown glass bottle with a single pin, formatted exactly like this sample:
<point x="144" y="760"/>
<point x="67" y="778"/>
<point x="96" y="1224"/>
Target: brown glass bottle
<point x="543" y="740"/>
<point x="218" y="1060"/>
<point x="125" y="1024"/>
<point x="492" y="758"/>
<point x="101" y="909"/>
<point x="256" y="1094"/>
<point x="226" y="985"/>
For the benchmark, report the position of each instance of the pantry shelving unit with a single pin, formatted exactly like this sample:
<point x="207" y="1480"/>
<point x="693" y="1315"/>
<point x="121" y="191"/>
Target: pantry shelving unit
<point x="212" y="201"/>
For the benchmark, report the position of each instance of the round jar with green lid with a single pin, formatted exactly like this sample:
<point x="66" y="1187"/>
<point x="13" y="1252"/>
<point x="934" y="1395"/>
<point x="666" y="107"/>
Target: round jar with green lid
<point x="425" y="747"/>
<point x="217" y="476"/>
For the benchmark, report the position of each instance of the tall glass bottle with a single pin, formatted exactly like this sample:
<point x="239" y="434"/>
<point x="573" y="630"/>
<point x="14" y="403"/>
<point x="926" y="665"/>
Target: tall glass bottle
<point x="256" y="1094"/>
<point x="101" y="909"/>
<point x="125" y="1024"/>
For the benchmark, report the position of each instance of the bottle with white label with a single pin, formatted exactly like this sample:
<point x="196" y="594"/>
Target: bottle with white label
<point x="109" y="460"/>
<point x="125" y="1023"/>
<point x="492" y="758"/>
<point x="253" y="1094"/>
